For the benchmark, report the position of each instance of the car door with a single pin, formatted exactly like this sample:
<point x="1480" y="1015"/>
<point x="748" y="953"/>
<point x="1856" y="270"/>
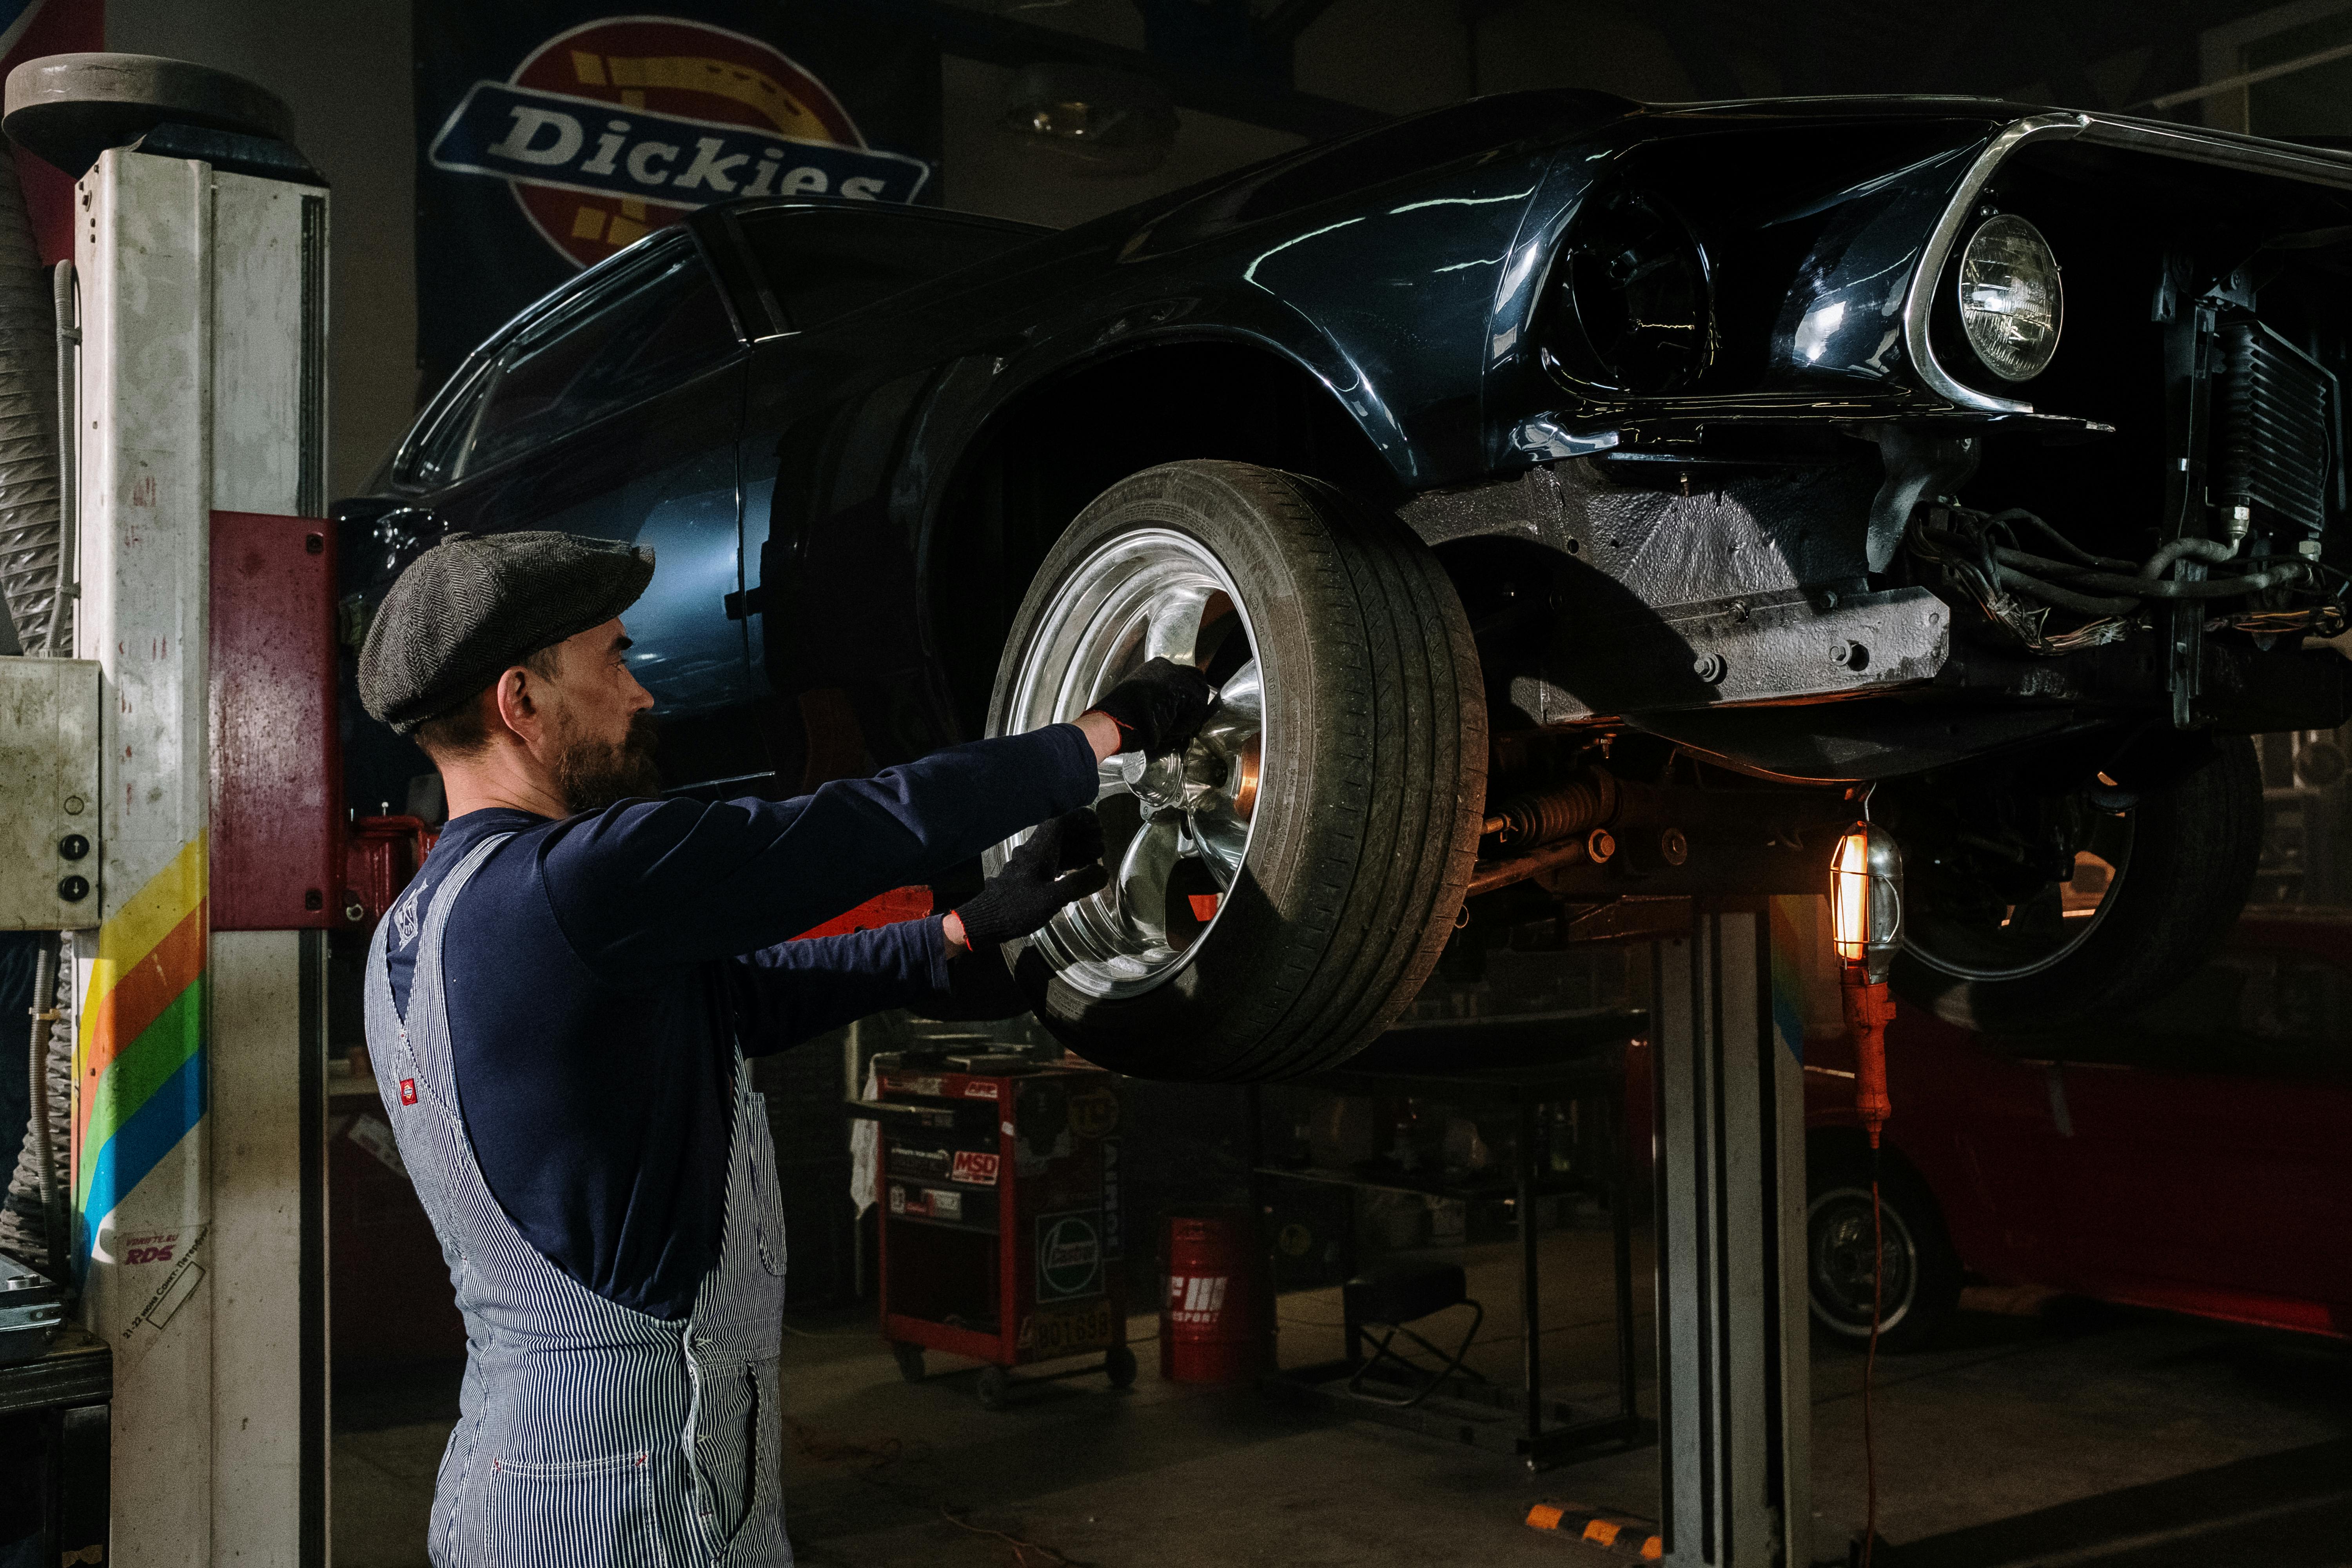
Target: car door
<point x="2207" y="1161"/>
<point x="833" y="615"/>
<point x="614" y="412"/>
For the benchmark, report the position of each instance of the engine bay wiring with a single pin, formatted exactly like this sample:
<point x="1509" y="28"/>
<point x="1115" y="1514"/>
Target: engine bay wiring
<point x="1981" y="558"/>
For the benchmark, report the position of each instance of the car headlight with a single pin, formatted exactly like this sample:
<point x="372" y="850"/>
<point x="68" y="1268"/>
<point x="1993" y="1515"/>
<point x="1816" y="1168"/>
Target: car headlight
<point x="2010" y="302"/>
<point x="1634" y="307"/>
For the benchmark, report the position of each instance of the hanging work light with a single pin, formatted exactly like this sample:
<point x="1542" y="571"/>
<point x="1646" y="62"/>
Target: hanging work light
<point x="1866" y="923"/>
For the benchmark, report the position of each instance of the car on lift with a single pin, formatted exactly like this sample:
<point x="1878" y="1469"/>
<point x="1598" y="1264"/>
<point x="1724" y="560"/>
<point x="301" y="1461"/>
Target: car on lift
<point x="1572" y="498"/>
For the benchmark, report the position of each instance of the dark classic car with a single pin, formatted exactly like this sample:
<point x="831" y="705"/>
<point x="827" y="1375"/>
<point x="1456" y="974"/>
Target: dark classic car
<point x="1572" y="498"/>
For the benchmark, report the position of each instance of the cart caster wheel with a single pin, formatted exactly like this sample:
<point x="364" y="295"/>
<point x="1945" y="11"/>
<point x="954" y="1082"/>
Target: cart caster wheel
<point x="1118" y="1365"/>
<point x="910" y="1361"/>
<point x="993" y="1388"/>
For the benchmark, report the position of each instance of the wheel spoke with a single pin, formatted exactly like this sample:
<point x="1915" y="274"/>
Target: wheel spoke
<point x="1222" y="838"/>
<point x="1240" y="715"/>
<point x="1175" y="624"/>
<point x="1110" y="780"/>
<point x="1143" y="874"/>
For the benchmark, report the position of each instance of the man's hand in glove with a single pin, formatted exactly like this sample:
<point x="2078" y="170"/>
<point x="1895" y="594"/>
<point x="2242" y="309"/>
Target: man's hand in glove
<point x="1160" y="707"/>
<point x="1058" y="863"/>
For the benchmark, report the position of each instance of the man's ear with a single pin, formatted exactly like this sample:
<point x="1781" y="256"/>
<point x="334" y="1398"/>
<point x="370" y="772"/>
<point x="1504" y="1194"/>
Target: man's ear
<point x="513" y="704"/>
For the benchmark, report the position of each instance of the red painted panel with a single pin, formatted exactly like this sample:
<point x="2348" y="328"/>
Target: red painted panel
<point x="381" y="855"/>
<point x="277" y="816"/>
<point x="881" y="909"/>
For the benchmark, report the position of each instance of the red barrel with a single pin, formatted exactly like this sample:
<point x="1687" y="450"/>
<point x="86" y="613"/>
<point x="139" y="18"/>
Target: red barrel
<point x="1214" y="1315"/>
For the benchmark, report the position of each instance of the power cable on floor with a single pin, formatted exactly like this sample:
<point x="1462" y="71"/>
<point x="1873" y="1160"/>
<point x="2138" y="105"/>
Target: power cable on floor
<point x="1870" y="1366"/>
<point x="1020" y="1549"/>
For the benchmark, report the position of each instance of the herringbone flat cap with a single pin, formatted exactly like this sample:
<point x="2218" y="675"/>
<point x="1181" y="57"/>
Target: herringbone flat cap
<point x="476" y="605"/>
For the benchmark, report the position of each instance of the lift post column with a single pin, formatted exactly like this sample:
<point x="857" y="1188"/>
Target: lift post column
<point x="198" y="1070"/>
<point x="1735" y="1400"/>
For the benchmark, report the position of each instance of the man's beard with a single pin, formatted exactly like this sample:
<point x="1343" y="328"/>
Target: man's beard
<point x="591" y="774"/>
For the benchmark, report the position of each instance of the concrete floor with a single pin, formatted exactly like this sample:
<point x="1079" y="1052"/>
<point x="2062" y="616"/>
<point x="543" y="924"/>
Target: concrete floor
<point x="2043" y="1431"/>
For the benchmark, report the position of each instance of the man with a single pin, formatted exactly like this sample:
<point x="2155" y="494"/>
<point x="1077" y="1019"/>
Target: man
<point x="557" y="1010"/>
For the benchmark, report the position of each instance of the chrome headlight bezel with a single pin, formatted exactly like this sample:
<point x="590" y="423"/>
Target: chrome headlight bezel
<point x="2009" y="298"/>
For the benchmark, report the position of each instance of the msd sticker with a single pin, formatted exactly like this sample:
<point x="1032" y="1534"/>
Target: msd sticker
<point x="974" y="1169"/>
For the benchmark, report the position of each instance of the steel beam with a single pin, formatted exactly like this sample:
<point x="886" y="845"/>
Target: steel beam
<point x="1735" y="1405"/>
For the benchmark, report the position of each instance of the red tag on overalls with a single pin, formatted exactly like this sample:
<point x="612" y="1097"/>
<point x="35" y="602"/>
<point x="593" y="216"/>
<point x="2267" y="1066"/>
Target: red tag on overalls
<point x="408" y="1091"/>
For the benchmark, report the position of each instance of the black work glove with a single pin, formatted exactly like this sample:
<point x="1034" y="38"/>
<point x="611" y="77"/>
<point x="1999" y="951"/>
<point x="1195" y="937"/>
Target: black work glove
<point x="1058" y="863"/>
<point x="1159" y="707"/>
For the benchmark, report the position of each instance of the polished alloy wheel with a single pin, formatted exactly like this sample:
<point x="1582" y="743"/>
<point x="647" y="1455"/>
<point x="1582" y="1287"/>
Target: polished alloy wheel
<point x="1176" y="828"/>
<point x="1974" y="915"/>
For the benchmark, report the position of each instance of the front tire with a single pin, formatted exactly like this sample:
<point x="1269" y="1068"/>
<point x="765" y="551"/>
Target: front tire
<point x="1279" y="892"/>
<point x="2002" y="951"/>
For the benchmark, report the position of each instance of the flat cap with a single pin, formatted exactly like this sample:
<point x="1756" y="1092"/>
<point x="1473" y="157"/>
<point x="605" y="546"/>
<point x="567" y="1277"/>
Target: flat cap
<point x="476" y="605"/>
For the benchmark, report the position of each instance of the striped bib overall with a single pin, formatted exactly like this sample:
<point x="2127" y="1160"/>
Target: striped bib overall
<point x="589" y="1433"/>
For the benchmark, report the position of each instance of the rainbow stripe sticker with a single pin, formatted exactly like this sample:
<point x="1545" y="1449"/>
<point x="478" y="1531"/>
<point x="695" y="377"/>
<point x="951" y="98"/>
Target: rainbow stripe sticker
<point x="138" y="1064"/>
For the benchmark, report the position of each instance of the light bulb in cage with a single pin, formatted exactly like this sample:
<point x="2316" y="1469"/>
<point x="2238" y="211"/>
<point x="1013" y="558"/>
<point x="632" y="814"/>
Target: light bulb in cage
<point x="1867" y="900"/>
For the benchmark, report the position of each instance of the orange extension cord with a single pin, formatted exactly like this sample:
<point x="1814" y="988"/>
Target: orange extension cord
<point x="1868" y="1010"/>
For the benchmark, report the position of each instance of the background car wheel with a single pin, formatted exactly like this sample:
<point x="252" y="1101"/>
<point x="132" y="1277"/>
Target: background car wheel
<point x="1118" y="1365"/>
<point x="1281" y="891"/>
<point x="911" y="1361"/>
<point x="1995" y="941"/>
<point x="1921" y="1284"/>
<point x="993" y="1387"/>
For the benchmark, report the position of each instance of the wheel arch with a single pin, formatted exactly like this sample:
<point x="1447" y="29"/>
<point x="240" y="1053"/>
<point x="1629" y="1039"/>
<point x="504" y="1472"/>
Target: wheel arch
<point x="1040" y="456"/>
<point x="1848" y="1148"/>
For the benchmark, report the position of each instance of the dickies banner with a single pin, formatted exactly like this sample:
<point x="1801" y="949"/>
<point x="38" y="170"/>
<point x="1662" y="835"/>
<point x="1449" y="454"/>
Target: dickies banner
<point x="551" y="134"/>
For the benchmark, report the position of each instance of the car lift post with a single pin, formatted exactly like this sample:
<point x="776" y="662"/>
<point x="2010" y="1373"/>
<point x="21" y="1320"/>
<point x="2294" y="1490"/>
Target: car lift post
<point x="1735" y="1400"/>
<point x="196" y="1167"/>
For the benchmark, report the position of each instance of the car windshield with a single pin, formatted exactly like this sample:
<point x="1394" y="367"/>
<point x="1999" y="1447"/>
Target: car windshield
<point x="824" y="262"/>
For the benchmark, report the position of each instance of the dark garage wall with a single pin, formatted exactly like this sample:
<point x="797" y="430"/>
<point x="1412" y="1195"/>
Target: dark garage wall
<point x="344" y="70"/>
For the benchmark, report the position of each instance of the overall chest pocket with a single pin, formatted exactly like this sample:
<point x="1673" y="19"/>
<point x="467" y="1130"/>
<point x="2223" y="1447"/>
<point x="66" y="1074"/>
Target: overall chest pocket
<point x="563" y="1515"/>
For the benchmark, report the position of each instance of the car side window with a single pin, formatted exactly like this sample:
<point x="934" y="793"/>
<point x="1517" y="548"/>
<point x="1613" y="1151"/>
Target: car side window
<point x="601" y="350"/>
<point x="2252" y="1007"/>
<point x="431" y="458"/>
<point x="823" y="264"/>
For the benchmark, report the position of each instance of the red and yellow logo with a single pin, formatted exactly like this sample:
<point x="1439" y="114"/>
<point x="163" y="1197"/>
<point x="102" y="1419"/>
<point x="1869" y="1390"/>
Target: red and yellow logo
<point x="614" y="127"/>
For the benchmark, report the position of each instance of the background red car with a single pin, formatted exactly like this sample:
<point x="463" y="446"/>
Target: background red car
<point x="2196" y="1157"/>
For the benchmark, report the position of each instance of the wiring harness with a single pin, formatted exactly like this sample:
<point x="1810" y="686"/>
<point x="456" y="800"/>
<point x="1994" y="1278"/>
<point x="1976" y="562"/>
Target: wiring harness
<point x="1979" y="556"/>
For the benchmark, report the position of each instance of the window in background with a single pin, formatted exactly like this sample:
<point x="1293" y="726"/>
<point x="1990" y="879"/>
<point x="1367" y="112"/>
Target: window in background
<point x="2313" y="100"/>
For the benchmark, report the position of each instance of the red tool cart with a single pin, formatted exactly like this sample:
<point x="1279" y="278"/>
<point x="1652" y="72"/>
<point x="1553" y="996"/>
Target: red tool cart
<point x="1001" y="1229"/>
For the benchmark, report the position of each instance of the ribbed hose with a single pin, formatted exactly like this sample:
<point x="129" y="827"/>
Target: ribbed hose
<point x="32" y="1216"/>
<point x="28" y="421"/>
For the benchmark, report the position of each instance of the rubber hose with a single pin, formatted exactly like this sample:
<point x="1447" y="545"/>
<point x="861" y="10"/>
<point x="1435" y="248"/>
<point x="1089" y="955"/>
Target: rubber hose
<point x="45" y="1154"/>
<point x="2208" y="588"/>
<point x="29" y="419"/>
<point x="2081" y="556"/>
<point x="2167" y="588"/>
<point x="2064" y="598"/>
<point x="2202" y="549"/>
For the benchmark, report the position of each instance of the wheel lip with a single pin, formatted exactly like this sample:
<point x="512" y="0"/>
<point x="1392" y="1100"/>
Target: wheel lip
<point x="1890" y="1215"/>
<point x="1076" y="580"/>
<point x="2051" y="960"/>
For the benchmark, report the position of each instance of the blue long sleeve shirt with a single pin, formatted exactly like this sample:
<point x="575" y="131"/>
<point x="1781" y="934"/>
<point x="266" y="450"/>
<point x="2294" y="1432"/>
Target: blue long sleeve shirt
<point x="599" y="971"/>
